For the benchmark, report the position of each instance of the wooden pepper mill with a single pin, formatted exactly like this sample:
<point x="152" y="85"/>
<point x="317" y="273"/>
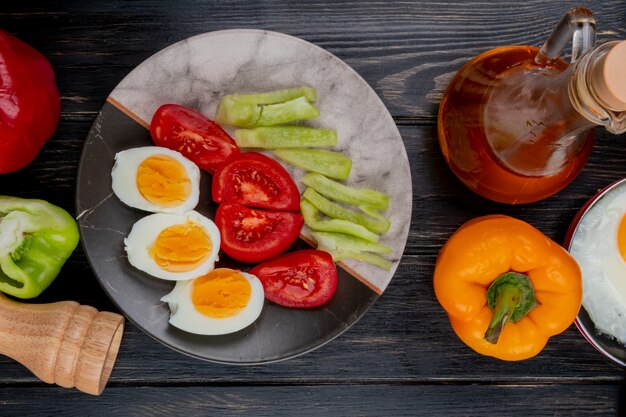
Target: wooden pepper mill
<point x="65" y="343"/>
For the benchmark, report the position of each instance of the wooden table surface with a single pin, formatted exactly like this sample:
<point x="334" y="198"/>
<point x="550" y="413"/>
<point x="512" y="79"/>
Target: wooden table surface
<point x="402" y="358"/>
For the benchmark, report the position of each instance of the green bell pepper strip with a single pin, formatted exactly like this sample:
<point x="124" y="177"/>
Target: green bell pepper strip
<point x="277" y="96"/>
<point x="274" y="137"/>
<point x="310" y="214"/>
<point x="331" y="164"/>
<point x="372" y="220"/>
<point x="235" y="113"/>
<point x="342" y="246"/>
<point x="368" y="257"/>
<point x="36" y="238"/>
<point x="340" y="242"/>
<point x="345" y="194"/>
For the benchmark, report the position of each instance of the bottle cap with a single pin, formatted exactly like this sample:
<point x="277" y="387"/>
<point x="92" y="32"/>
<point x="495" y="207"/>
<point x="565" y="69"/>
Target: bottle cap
<point x="609" y="78"/>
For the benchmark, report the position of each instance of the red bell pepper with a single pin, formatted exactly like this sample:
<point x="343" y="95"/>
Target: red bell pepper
<point x="30" y="104"/>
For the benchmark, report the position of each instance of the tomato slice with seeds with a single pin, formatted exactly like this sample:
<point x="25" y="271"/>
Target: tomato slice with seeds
<point x="252" y="235"/>
<point x="255" y="180"/>
<point x="301" y="279"/>
<point x="194" y="135"/>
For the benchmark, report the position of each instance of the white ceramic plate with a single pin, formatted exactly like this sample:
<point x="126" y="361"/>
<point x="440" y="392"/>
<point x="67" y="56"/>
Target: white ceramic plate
<point x="196" y="72"/>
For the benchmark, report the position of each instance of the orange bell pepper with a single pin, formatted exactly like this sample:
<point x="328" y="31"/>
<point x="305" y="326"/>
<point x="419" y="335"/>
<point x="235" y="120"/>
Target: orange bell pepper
<point x="506" y="287"/>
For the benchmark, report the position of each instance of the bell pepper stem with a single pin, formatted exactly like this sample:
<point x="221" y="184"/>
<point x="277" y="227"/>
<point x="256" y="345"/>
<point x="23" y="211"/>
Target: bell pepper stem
<point x="511" y="296"/>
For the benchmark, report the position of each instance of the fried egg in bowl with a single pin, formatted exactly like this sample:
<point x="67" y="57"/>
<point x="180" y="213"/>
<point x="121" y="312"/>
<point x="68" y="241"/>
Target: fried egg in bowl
<point x="597" y="240"/>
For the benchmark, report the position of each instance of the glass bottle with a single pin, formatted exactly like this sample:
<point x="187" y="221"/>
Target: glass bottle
<point x="516" y="124"/>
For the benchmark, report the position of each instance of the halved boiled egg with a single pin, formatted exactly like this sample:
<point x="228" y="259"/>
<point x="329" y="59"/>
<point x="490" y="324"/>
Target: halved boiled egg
<point x="173" y="246"/>
<point x="156" y="179"/>
<point x="220" y="302"/>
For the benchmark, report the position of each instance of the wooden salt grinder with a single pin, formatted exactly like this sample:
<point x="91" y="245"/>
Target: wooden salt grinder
<point x="63" y="343"/>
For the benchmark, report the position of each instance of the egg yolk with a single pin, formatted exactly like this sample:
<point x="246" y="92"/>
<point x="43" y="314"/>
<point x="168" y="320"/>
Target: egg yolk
<point x="181" y="248"/>
<point x="162" y="180"/>
<point x="221" y="293"/>
<point x="621" y="238"/>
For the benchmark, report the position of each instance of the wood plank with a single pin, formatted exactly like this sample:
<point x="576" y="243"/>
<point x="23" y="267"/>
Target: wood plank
<point x="334" y="400"/>
<point x="404" y="337"/>
<point x="407" y="51"/>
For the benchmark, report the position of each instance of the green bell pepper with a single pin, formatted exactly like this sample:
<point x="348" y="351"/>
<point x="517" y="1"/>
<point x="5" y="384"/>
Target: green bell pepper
<point x="36" y="238"/>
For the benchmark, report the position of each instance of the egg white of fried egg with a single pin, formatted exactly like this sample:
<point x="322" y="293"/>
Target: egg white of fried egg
<point x="220" y="302"/>
<point x="173" y="246"/>
<point x="156" y="179"/>
<point x="599" y="247"/>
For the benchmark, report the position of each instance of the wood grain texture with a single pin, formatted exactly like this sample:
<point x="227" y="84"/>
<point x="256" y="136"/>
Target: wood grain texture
<point x="330" y="400"/>
<point x="402" y="358"/>
<point x="407" y="51"/>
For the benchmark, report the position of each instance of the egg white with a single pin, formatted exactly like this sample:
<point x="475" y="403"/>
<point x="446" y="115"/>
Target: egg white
<point x="185" y="316"/>
<point x="145" y="232"/>
<point x="595" y="248"/>
<point x="124" y="179"/>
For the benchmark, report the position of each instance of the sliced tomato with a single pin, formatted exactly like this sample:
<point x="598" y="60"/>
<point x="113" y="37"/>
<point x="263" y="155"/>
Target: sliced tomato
<point x="256" y="180"/>
<point x="302" y="279"/>
<point x="194" y="135"/>
<point x="252" y="235"/>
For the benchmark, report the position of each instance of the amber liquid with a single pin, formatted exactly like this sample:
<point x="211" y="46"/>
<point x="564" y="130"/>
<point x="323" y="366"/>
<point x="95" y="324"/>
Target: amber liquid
<point x="508" y="130"/>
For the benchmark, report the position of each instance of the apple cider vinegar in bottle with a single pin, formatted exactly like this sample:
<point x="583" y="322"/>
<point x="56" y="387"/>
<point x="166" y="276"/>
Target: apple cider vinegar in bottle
<point x="516" y="124"/>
